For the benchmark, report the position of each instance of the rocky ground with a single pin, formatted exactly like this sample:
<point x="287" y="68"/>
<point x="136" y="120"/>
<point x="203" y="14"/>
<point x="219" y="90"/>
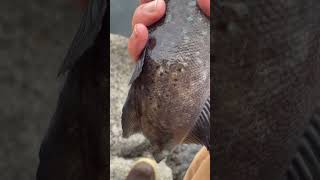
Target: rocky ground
<point x="125" y="151"/>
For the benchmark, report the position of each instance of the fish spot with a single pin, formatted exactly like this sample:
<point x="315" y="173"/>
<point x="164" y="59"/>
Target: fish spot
<point x="152" y="42"/>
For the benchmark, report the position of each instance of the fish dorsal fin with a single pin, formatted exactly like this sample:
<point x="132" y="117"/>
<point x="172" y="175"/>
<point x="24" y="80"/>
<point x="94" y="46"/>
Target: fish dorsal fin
<point x="87" y="33"/>
<point x="138" y="68"/>
<point x="200" y="132"/>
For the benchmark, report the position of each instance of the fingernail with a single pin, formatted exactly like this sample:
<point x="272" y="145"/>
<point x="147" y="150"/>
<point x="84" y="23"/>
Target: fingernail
<point x="151" y="6"/>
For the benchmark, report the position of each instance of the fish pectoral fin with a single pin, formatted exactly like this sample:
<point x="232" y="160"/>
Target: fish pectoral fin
<point x="129" y="127"/>
<point x="138" y="68"/>
<point x="129" y="122"/>
<point x="86" y="35"/>
<point x="200" y="132"/>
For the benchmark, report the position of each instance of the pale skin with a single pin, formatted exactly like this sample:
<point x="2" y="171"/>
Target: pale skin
<point x="147" y="13"/>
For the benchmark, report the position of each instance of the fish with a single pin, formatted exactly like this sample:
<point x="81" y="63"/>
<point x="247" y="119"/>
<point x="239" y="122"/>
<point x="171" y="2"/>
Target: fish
<point x="169" y="97"/>
<point x="266" y="89"/>
<point x="75" y="144"/>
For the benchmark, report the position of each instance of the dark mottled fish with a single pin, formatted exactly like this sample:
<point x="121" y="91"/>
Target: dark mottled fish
<point x="169" y="99"/>
<point x="266" y="90"/>
<point x="75" y="146"/>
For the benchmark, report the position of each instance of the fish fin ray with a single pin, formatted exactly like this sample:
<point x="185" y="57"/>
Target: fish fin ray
<point x="138" y="68"/>
<point x="200" y="133"/>
<point x="129" y="124"/>
<point x="86" y="35"/>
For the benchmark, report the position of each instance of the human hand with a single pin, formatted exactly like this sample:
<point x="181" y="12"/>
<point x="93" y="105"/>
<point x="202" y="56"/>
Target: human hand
<point x="145" y="15"/>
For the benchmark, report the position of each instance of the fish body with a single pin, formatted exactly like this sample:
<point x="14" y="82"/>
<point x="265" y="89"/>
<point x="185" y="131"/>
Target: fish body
<point x="171" y="82"/>
<point x="75" y="146"/>
<point x="266" y="90"/>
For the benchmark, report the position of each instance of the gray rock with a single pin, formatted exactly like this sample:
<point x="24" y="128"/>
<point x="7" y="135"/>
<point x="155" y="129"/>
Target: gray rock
<point x="181" y="158"/>
<point x="119" y="168"/>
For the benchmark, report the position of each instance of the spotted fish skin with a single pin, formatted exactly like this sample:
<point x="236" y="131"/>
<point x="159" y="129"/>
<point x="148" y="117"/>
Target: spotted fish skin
<point x="166" y="98"/>
<point x="266" y="85"/>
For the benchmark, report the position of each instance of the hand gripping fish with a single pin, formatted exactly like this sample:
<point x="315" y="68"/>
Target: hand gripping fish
<point x="266" y="90"/>
<point x="75" y="146"/>
<point x="169" y="97"/>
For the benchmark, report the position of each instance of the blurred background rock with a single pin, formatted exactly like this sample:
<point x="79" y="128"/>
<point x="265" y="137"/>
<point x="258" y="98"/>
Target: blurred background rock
<point x="34" y="37"/>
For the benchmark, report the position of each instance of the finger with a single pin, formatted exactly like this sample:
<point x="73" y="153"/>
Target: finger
<point x="205" y="6"/>
<point x="149" y="13"/>
<point x="137" y="41"/>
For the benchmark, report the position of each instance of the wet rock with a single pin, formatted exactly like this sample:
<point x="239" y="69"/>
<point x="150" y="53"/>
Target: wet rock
<point x="181" y="158"/>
